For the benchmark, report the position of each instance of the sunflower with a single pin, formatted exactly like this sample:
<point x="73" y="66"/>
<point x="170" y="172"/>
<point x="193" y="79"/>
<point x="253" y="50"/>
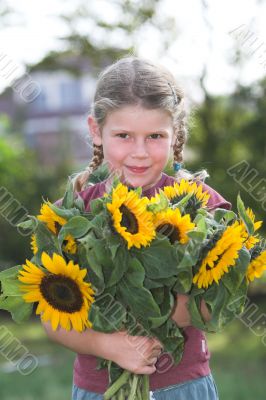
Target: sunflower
<point x="54" y="222"/>
<point x="130" y="217"/>
<point x="70" y="245"/>
<point x="176" y="192"/>
<point x="33" y="244"/>
<point x="170" y="223"/>
<point x="250" y="241"/>
<point x="50" y="218"/>
<point x="63" y="297"/>
<point x="257" y="267"/>
<point x="221" y="256"/>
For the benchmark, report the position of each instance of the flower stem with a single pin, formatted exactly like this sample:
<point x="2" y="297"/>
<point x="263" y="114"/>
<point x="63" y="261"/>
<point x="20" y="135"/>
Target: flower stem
<point x="123" y="378"/>
<point x="145" y="392"/>
<point x="135" y="381"/>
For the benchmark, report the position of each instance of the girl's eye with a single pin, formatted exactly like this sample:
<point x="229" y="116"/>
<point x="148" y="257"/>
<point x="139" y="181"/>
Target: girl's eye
<point x="122" y="135"/>
<point x="156" y="135"/>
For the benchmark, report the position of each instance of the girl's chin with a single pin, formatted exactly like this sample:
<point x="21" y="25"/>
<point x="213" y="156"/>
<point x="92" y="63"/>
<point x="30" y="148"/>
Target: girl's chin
<point x="138" y="182"/>
<point x="132" y="182"/>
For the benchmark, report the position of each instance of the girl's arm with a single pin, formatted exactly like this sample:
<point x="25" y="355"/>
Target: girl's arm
<point x="181" y="314"/>
<point x="137" y="354"/>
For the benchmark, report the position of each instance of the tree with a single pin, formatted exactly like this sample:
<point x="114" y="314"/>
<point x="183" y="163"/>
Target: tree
<point x="91" y="37"/>
<point x="229" y="130"/>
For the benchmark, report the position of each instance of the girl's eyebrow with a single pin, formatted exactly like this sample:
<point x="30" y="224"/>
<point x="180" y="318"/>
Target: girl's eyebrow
<point x="126" y="131"/>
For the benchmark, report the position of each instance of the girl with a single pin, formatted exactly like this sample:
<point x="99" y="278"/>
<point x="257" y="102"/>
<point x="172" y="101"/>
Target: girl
<point x="137" y="122"/>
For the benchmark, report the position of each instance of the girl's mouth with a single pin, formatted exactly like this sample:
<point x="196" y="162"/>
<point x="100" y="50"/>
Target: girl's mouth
<point x="137" y="170"/>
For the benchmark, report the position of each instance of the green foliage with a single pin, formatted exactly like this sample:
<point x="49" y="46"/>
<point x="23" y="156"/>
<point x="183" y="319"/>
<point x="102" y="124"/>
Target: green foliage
<point x="11" y="296"/>
<point x="23" y="184"/>
<point x="227" y="130"/>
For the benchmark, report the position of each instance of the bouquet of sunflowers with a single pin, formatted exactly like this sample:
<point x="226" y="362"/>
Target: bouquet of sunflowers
<point x="120" y="265"/>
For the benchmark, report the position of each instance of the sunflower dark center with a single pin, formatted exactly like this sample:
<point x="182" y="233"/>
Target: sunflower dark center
<point x="62" y="293"/>
<point x="129" y="220"/>
<point x="170" y="231"/>
<point x="57" y="226"/>
<point x="192" y="205"/>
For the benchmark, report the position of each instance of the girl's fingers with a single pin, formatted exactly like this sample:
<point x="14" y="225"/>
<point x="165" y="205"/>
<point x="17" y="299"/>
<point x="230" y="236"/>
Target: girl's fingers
<point x="153" y="361"/>
<point x="148" y="370"/>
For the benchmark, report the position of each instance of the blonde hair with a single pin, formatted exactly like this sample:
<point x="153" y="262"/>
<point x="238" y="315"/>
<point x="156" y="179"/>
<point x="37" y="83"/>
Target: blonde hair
<point x="136" y="81"/>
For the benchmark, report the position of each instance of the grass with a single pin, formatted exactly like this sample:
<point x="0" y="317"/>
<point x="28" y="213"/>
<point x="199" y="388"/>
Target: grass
<point x="238" y="360"/>
<point x="52" y="381"/>
<point x="238" y="365"/>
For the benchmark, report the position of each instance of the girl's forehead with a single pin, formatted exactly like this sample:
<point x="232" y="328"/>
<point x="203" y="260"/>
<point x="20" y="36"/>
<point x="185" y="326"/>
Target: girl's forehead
<point x="135" y="116"/>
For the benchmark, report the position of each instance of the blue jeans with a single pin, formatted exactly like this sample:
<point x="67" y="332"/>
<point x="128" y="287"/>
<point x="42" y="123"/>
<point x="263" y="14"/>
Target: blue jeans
<point x="198" y="389"/>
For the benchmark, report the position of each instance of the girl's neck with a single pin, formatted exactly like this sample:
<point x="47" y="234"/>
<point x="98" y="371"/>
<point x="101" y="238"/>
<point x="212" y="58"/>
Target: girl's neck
<point x="109" y="181"/>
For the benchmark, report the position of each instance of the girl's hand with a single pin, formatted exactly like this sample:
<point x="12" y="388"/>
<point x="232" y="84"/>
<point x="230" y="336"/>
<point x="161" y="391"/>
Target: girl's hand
<point x="137" y="354"/>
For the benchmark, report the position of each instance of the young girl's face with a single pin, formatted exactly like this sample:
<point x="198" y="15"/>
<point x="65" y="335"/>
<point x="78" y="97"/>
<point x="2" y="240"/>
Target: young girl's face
<point x="136" y="143"/>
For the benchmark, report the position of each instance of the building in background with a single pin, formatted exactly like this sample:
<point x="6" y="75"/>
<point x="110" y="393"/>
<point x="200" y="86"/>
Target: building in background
<point x="54" y="123"/>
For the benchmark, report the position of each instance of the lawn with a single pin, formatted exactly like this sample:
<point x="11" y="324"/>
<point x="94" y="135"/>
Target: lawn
<point x="238" y="365"/>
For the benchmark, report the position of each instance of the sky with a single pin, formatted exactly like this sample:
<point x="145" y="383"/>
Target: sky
<point x="208" y="39"/>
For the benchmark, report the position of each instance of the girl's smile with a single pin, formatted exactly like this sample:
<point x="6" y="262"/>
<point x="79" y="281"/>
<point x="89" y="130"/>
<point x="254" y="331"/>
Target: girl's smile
<point x="136" y="143"/>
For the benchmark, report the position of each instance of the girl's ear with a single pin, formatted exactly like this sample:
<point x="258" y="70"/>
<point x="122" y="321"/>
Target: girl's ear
<point x="94" y="131"/>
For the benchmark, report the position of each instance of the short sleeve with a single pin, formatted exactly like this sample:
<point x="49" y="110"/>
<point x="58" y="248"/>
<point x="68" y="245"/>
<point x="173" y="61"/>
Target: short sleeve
<point x="216" y="200"/>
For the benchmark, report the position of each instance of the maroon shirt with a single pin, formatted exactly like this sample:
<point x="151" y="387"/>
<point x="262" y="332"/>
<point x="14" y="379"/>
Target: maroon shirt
<point x="195" y="359"/>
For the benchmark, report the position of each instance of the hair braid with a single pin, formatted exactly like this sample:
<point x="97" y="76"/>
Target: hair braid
<point x="81" y="179"/>
<point x="181" y="138"/>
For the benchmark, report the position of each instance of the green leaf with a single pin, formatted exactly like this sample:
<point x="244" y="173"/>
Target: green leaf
<point x="20" y="311"/>
<point x="112" y="269"/>
<point x="172" y="339"/>
<point x="221" y="213"/>
<point x="161" y="205"/>
<point x="152" y="283"/>
<point x="31" y="223"/>
<point x="10" y="272"/>
<point x="88" y="260"/>
<point x="119" y="266"/>
<point x="166" y="308"/>
<point x="107" y="314"/>
<point x="237" y="301"/>
<point x="69" y="196"/>
<point x="158" y="260"/>
<point x="194" y="311"/>
<point x="197" y="236"/>
<point x="11" y="287"/>
<point x="234" y="277"/>
<point x="200" y="222"/>
<point x="11" y="298"/>
<point x="183" y="282"/>
<point x="183" y="202"/>
<point x="189" y="256"/>
<point x="135" y="272"/>
<point x="46" y="241"/>
<point x="244" y="216"/>
<point x="96" y="206"/>
<point x="114" y="243"/>
<point x="63" y="212"/>
<point x="139" y="300"/>
<point x="77" y="227"/>
<point x="79" y="203"/>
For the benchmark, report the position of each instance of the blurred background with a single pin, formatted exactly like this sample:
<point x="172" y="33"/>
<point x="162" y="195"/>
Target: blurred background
<point x="50" y="56"/>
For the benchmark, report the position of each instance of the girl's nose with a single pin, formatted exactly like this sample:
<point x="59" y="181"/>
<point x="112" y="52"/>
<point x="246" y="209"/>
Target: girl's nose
<point x="139" y="150"/>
